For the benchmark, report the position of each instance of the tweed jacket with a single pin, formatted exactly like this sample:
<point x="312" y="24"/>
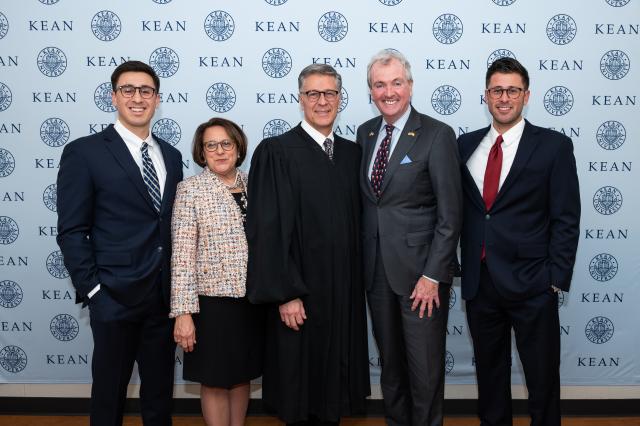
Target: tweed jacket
<point x="209" y="243"/>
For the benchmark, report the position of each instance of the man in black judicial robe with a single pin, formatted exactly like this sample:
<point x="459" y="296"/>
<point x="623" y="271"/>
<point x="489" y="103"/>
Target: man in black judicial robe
<point x="303" y="225"/>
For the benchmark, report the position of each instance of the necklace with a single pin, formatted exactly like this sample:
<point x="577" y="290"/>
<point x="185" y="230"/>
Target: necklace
<point x="237" y="182"/>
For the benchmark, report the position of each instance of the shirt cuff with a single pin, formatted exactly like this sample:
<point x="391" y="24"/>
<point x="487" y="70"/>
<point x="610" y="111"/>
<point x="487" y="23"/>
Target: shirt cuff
<point x="431" y="279"/>
<point x="93" y="291"/>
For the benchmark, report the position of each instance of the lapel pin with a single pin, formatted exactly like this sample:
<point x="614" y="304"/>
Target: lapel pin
<point x="371" y="133"/>
<point x="411" y="134"/>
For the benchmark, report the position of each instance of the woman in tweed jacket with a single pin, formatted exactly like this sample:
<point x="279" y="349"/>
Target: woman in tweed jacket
<point x="219" y="331"/>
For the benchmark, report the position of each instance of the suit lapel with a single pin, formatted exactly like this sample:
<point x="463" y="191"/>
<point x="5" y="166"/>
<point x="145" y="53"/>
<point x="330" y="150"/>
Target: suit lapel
<point x="526" y="146"/>
<point x="466" y="150"/>
<point x="369" y="145"/>
<point x="408" y="137"/>
<point x="171" y="176"/>
<point x="116" y="145"/>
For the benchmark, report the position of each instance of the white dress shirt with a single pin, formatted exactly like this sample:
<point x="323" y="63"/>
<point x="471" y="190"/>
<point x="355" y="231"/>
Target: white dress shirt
<point x="315" y="135"/>
<point x="398" y="126"/>
<point x="477" y="163"/>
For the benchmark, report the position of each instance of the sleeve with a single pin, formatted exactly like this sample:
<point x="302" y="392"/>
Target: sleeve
<point x="444" y="172"/>
<point x="184" y="240"/>
<point x="75" y="201"/>
<point x="273" y="275"/>
<point x="564" y="212"/>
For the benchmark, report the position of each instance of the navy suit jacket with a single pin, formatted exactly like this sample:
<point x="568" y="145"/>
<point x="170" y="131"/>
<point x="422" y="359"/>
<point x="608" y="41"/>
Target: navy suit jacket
<point x="531" y="231"/>
<point x="108" y="229"/>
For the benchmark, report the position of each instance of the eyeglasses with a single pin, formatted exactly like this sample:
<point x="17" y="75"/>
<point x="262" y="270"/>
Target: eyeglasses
<point x="129" y="91"/>
<point x="212" y="146"/>
<point x="314" y="95"/>
<point x="512" y="92"/>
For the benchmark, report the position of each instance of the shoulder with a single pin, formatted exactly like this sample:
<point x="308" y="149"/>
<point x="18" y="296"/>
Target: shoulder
<point x="428" y="121"/>
<point x="551" y="138"/>
<point x="472" y="136"/>
<point x="85" y="144"/>
<point x="369" y="124"/>
<point x="347" y="145"/>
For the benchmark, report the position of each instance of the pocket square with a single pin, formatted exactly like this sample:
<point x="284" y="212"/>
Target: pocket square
<point x="406" y="160"/>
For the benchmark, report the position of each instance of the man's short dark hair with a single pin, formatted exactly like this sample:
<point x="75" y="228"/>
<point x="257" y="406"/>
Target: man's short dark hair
<point x="508" y="66"/>
<point x="319" y="69"/>
<point x="134" y="66"/>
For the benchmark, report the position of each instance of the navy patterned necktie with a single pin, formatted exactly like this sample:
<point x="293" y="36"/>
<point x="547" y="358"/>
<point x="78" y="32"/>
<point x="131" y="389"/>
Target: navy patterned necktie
<point x="380" y="163"/>
<point x="328" y="148"/>
<point x="150" y="177"/>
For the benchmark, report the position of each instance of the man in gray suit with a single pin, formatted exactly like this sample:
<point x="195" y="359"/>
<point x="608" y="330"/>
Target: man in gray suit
<point x="412" y="211"/>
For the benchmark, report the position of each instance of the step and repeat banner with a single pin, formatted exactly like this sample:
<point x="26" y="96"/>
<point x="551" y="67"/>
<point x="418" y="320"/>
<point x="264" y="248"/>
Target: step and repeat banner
<point x="240" y="60"/>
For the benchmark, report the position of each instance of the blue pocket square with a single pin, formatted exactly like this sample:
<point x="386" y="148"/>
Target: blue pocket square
<point x="406" y="160"/>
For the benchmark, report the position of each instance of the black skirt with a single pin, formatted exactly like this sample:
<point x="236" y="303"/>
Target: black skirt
<point x="230" y="342"/>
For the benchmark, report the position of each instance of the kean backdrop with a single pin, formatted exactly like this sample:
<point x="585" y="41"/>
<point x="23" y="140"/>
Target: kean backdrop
<point x="240" y="60"/>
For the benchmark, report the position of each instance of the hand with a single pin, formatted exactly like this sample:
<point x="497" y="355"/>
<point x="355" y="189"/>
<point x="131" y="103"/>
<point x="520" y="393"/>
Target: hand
<point x="184" y="332"/>
<point x="292" y="314"/>
<point x="425" y="294"/>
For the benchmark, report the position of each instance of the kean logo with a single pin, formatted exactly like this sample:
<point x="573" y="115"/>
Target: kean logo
<point x="446" y="100"/>
<point x="168" y="130"/>
<point x="333" y="26"/>
<point x="102" y="97"/>
<point x="219" y="25"/>
<point x="10" y="294"/>
<point x="275" y="127"/>
<point x="106" y="25"/>
<point x="607" y="200"/>
<point x="50" y="196"/>
<point x="52" y="61"/>
<point x="611" y="135"/>
<point x="54" y="132"/>
<point x="9" y="230"/>
<point x="221" y="97"/>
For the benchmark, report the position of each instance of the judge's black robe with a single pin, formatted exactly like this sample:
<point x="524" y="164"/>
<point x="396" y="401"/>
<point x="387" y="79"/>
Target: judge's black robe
<point x="303" y="229"/>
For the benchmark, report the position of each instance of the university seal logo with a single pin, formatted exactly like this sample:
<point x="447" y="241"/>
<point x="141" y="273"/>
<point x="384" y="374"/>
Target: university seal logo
<point x="106" y="25"/>
<point x="221" y="97"/>
<point x="13" y="359"/>
<point x="52" y="61"/>
<point x="276" y="2"/>
<point x="599" y="330"/>
<point x="611" y="135"/>
<point x="275" y="127"/>
<point x="447" y="28"/>
<point x="558" y="100"/>
<point x="333" y="26"/>
<point x="49" y="197"/>
<point x="164" y="61"/>
<point x="504" y="2"/>
<point x="607" y="200"/>
<point x="614" y="64"/>
<point x="102" y="97"/>
<point x="344" y="99"/>
<point x="446" y="100"/>
<point x="64" y="327"/>
<point x="162" y="1"/>
<point x="219" y="25"/>
<point x="9" y="230"/>
<point x="452" y="297"/>
<point x="499" y="53"/>
<point x="55" y="265"/>
<point x="603" y="267"/>
<point x="561" y="29"/>
<point x="5" y="97"/>
<point x="54" y="132"/>
<point x="10" y="294"/>
<point x="48" y="2"/>
<point x="276" y="62"/>
<point x="167" y="130"/>
<point x="390" y="2"/>
<point x="4" y="25"/>
<point x="449" y="363"/>
<point x="561" y="298"/>
<point x="7" y="163"/>
<point x="617" y="3"/>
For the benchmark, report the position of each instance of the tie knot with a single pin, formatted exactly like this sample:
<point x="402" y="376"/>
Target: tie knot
<point x="145" y="147"/>
<point x="389" y="129"/>
<point x="328" y="142"/>
<point x="499" y="140"/>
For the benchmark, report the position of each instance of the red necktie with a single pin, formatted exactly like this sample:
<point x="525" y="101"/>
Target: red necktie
<point x="380" y="162"/>
<point x="492" y="178"/>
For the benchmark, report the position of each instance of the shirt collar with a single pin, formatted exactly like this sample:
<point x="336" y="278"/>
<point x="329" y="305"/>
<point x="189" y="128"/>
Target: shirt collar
<point x="510" y="136"/>
<point x="315" y="135"/>
<point x="131" y="137"/>
<point x="400" y="122"/>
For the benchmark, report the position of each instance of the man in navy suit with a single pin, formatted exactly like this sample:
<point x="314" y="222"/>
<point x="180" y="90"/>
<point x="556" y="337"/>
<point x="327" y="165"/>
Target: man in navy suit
<point x="114" y="230"/>
<point x="519" y="240"/>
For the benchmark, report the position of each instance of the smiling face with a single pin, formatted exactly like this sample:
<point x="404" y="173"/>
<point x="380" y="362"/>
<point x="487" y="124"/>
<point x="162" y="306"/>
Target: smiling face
<point x="390" y="89"/>
<point x="221" y="162"/>
<point x="135" y="113"/>
<point x="322" y="113"/>
<point x="506" y="112"/>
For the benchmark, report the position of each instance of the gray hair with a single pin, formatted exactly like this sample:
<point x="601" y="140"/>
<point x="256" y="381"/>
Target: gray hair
<point x="322" y="69"/>
<point x="385" y="56"/>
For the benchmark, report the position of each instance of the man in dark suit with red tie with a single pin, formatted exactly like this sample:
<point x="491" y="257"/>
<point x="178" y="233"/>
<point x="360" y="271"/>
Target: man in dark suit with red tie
<point x="115" y="198"/>
<point x="519" y="240"/>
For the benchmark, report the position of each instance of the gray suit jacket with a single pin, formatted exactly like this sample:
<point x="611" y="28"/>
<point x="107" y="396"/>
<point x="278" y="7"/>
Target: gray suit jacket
<point x="418" y="217"/>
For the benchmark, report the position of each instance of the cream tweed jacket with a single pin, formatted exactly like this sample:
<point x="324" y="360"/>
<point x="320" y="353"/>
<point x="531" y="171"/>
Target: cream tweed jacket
<point x="209" y="243"/>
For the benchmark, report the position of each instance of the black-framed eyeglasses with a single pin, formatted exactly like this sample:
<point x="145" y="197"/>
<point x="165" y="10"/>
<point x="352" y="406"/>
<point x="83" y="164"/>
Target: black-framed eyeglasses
<point x="212" y="146"/>
<point x="129" y="91"/>
<point x="314" y="95"/>
<point x="512" y="92"/>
